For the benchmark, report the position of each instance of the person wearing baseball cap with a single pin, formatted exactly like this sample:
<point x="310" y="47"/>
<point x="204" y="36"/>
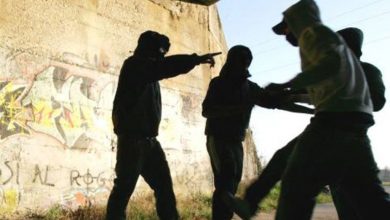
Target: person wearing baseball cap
<point x="334" y="148"/>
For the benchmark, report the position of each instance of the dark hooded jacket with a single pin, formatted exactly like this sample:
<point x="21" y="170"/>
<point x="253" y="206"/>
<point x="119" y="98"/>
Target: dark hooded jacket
<point x="137" y="103"/>
<point x="354" y="38"/>
<point x="375" y="84"/>
<point x="228" y="90"/>
<point x="331" y="73"/>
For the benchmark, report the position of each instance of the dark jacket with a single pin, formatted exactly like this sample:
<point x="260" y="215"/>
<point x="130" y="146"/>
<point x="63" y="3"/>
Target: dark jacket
<point x="137" y="103"/>
<point x="375" y="84"/>
<point x="354" y="39"/>
<point x="237" y="100"/>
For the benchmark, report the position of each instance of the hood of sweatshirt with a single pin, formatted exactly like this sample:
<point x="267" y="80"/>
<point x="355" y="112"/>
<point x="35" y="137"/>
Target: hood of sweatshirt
<point x="354" y="39"/>
<point x="298" y="17"/>
<point x="238" y="60"/>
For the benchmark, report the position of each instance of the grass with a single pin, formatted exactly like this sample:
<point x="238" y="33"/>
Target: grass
<point x="194" y="207"/>
<point x="270" y="202"/>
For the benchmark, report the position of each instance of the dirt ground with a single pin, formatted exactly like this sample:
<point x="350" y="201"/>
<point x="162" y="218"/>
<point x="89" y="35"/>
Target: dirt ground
<point x="321" y="212"/>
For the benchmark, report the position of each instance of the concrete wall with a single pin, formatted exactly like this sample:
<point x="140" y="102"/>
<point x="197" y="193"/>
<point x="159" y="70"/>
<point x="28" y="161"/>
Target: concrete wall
<point x="59" y="63"/>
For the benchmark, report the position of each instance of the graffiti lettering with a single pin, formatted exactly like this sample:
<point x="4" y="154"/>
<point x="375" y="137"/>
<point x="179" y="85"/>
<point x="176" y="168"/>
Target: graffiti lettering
<point x="88" y="179"/>
<point x="38" y="174"/>
<point x="12" y="173"/>
<point x="10" y="170"/>
<point x="74" y="176"/>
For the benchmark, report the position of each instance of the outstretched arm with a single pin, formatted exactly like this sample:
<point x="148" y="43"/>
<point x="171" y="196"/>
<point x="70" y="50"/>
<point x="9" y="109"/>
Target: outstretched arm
<point x="154" y="70"/>
<point x="284" y="100"/>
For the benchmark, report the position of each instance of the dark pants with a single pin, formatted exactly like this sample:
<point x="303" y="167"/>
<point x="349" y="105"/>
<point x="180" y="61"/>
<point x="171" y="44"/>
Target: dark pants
<point x="145" y="157"/>
<point x="270" y="175"/>
<point x="329" y="155"/>
<point x="273" y="172"/>
<point x="344" y="204"/>
<point x="226" y="158"/>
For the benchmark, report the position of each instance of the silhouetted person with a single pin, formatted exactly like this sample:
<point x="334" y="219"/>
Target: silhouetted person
<point x="343" y="195"/>
<point x="227" y="107"/>
<point x="272" y="173"/>
<point x="136" y="117"/>
<point x="334" y="149"/>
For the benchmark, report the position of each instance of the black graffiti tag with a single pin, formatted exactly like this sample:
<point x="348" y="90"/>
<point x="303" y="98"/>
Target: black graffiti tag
<point x="38" y="173"/>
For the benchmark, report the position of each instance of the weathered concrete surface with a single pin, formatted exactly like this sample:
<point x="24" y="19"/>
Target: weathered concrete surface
<point x="59" y="63"/>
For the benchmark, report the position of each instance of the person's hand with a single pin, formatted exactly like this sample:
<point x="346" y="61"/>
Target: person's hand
<point x="278" y="87"/>
<point x="208" y="58"/>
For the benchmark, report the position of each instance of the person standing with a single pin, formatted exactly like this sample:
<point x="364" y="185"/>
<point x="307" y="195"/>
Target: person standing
<point x="227" y="107"/>
<point x="136" y="117"/>
<point x="343" y="196"/>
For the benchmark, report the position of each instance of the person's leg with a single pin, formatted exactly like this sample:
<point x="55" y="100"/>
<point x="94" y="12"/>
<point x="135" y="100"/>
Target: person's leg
<point x="226" y="160"/>
<point x="319" y="158"/>
<point x="238" y="160"/>
<point x="157" y="174"/>
<point x="299" y="186"/>
<point x="343" y="204"/>
<point x="129" y="160"/>
<point x="361" y="186"/>
<point x="268" y="178"/>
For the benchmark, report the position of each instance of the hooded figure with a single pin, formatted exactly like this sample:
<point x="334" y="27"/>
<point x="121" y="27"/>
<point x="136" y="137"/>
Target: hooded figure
<point x="232" y="89"/>
<point x="152" y="44"/>
<point x="136" y="117"/>
<point x="272" y="173"/>
<point x="354" y="39"/>
<point x="325" y="61"/>
<point x="227" y="107"/>
<point x="238" y="60"/>
<point x="334" y="148"/>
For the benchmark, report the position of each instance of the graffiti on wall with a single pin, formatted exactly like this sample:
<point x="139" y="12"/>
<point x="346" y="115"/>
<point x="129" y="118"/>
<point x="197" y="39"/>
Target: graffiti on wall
<point x="82" y="187"/>
<point x="60" y="108"/>
<point x="67" y="98"/>
<point x="9" y="200"/>
<point x="61" y="103"/>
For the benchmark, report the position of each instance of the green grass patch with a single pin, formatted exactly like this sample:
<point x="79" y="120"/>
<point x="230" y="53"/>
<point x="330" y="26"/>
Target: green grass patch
<point x="270" y="202"/>
<point x="194" y="207"/>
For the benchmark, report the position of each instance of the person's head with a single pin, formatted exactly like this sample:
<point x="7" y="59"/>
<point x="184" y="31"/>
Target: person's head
<point x="152" y="44"/>
<point x="282" y="29"/>
<point x="238" y="60"/>
<point x="296" y="19"/>
<point x="239" y="56"/>
<point x="354" y="39"/>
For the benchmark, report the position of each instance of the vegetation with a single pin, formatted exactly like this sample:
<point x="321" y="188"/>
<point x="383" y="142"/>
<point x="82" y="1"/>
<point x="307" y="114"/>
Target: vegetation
<point x="271" y="201"/>
<point x="194" y="207"/>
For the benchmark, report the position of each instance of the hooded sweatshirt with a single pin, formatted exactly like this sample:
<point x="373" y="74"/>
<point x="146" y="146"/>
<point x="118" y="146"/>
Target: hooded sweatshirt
<point x="331" y="73"/>
<point x="232" y="88"/>
<point x="354" y="39"/>
<point x="137" y="103"/>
